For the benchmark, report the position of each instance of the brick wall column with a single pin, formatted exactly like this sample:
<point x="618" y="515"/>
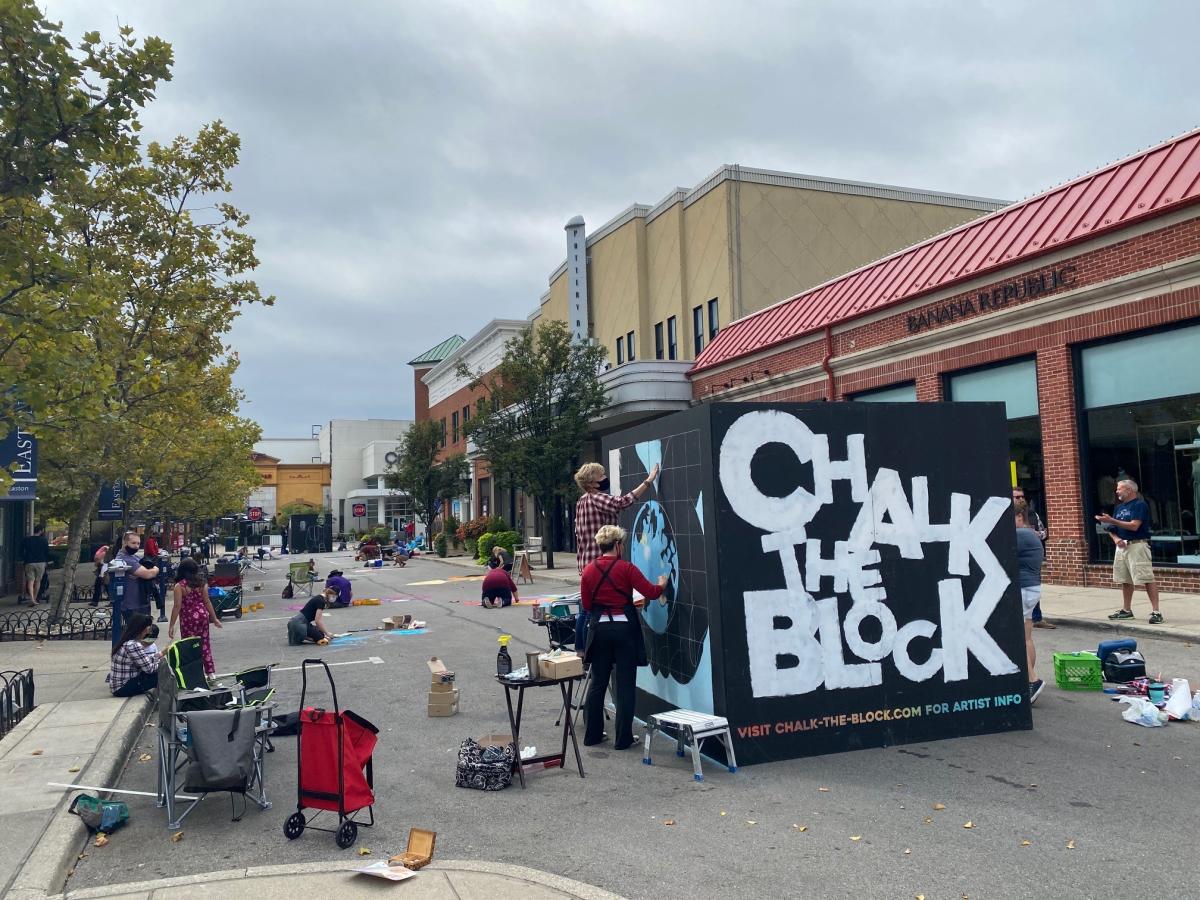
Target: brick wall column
<point x="929" y="388"/>
<point x="1066" y="547"/>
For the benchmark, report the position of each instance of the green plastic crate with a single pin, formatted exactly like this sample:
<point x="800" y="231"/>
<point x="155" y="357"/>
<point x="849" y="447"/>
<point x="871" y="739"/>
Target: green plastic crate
<point x="1078" y="671"/>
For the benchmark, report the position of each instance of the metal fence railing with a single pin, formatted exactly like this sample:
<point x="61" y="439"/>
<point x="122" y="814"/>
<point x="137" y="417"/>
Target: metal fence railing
<point x="16" y="698"/>
<point x="88" y="624"/>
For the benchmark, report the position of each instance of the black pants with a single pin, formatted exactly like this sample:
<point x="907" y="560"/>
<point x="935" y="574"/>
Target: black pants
<point x="503" y="596"/>
<point x="138" y="684"/>
<point x="97" y="590"/>
<point x="612" y="647"/>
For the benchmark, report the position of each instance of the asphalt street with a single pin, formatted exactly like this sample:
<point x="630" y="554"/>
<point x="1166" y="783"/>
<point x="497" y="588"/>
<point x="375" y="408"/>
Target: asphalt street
<point x="1085" y="805"/>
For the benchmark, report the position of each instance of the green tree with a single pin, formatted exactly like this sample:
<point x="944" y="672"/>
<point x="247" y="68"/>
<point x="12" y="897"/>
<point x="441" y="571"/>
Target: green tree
<point x="536" y="414"/>
<point x="159" y="257"/>
<point x="419" y="474"/>
<point x="63" y="111"/>
<point x="295" y="508"/>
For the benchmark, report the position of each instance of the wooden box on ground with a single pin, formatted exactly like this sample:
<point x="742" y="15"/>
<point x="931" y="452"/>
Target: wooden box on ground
<point x="419" y="852"/>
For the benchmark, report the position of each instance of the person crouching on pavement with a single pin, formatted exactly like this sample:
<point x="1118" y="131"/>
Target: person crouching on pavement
<point x="341" y="584"/>
<point x="308" y="624"/>
<point x="1030" y="555"/>
<point x="614" y="636"/>
<point x="498" y="587"/>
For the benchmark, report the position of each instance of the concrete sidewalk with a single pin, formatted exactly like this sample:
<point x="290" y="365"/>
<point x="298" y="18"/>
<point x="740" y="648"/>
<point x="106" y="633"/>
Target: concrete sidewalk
<point x="77" y="734"/>
<point x="451" y="880"/>
<point x="1090" y="607"/>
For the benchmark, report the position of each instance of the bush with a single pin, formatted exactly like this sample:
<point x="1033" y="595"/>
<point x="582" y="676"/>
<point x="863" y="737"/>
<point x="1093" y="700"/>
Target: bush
<point x="508" y="540"/>
<point x="472" y="546"/>
<point x="474" y="529"/>
<point x="439" y="544"/>
<point x="451" y="525"/>
<point x="382" y="533"/>
<point x="483" y="547"/>
<point x="496" y="524"/>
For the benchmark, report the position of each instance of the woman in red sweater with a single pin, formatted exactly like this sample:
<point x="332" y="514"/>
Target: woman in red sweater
<point x="498" y="587"/>
<point x="614" y="633"/>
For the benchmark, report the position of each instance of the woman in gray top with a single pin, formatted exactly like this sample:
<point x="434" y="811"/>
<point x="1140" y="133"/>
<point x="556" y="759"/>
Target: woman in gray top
<point x="1030" y="555"/>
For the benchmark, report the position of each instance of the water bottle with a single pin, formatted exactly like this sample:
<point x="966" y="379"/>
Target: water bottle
<point x="184" y="737"/>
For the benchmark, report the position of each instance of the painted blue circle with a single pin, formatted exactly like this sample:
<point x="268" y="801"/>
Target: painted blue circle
<point x="652" y="549"/>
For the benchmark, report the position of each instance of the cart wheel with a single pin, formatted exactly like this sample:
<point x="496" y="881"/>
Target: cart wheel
<point x="237" y="613"/>
<point x="347" y="833"/>
<point x="294" y="826"/>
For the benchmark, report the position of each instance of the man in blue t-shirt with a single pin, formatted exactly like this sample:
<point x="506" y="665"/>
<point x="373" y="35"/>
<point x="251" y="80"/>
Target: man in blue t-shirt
<point x="1129" y="528"/>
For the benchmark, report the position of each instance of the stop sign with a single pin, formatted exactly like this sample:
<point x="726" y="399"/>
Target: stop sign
<point x="359" y="510"/>
<point x="254" y="513"/>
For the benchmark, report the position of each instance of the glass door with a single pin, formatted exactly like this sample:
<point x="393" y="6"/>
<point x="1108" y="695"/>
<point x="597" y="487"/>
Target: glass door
<point x="1169" y="476"/>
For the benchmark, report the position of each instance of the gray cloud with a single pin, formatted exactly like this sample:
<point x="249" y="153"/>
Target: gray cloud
<point x="408" y="167"/>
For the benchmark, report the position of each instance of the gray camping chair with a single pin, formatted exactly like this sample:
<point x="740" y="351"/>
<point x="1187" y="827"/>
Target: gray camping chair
<point x="197" y="758"/>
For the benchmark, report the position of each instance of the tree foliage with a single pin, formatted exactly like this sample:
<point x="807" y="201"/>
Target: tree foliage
<point x="160" y="259"/>
<point x="422" y="476"/>
<point x="63" y="111"/>
<point x="537" y="412"/>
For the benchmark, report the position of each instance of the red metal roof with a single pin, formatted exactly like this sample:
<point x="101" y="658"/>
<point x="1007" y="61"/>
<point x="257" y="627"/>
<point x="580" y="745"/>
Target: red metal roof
<point x="1162" y="178"/>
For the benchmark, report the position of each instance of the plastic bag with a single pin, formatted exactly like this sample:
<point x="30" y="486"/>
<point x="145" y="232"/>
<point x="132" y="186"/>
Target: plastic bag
<point x="1180" y="704"/>
<point x="1142" y="712"/>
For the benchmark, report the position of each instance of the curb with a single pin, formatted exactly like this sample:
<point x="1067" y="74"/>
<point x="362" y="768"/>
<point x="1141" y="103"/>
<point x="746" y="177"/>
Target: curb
<point x="504" y="870"/>
<point x="1127" y="630"/>
<point x="44" y="871"/>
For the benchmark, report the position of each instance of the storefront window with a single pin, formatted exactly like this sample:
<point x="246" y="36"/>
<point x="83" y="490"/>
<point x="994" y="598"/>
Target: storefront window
<point x="1015" y="385"/>
<point x="1142" y="414"/>
<point x="901" y="393"/>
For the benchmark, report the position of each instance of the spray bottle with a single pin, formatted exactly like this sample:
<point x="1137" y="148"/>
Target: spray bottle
<point x="503" y="660"/>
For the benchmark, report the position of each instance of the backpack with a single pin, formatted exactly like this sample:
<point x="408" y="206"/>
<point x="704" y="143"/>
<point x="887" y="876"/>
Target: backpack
<point x="484" y="768"/>
<point x="1121" y="666"/>
<point x="288" y="590"/>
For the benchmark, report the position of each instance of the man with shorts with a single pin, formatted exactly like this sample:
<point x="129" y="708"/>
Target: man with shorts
<point x="35" y="553"/>
<point x="1129" y="528"/>
<point x="1030" y="555"/>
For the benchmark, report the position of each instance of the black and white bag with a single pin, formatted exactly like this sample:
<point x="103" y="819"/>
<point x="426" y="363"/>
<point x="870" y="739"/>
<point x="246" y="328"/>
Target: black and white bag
<point x="484" y="768"/>
<point x="1121" y="666"/>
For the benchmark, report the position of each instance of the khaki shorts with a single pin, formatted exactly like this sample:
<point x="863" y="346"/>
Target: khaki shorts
<point x="1131" y="565"/>
<point x="34" y="573"/>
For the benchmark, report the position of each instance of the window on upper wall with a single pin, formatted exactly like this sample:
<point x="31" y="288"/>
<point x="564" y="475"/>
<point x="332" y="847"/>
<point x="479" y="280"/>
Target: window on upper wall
<point x="443" y="422"/>
<point x="698" y="329"/>
<point x="713" y="325"/>
<point x="620" y="350"/>
<point x="454" y="426"/>
<point x="1141" y="416"/>
<point x="466" y="415"/>
<point x="658" y="341"/>
<point x="672" y="340"/>
<point x="629" y="345"/>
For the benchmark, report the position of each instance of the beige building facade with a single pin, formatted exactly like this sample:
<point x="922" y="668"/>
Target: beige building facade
<point x="662" y="279"/>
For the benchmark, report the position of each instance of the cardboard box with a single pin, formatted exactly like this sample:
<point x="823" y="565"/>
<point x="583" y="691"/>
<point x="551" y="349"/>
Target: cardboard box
<point x="443" y="703"/>
<point x="442" y="687"/>
<point x="494" y="740"/>
<point x="561" y="665"/>
<point x="438" y="673"/>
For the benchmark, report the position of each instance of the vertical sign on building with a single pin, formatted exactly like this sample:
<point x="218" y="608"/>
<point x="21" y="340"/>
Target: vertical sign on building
<point x="577" y="296"/>
<point x="18" y="455"/>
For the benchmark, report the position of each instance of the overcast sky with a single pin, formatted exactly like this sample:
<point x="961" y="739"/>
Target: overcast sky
<point x="408" y="167"/>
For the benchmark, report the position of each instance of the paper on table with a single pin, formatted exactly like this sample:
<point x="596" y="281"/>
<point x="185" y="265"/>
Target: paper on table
<point x="382" y="870"/>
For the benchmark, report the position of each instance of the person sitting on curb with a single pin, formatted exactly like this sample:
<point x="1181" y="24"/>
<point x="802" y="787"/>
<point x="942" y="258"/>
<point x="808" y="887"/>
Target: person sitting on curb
<point x="341" y="584"/>
<point x="498" y="587"/>
<point x="307" y="625"/>
<point x="1030" y="555"/>
<point x="134" y="666"/>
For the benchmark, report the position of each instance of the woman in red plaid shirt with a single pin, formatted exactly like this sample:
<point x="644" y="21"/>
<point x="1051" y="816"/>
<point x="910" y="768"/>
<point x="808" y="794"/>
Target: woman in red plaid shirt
<point x="597" y="508"/>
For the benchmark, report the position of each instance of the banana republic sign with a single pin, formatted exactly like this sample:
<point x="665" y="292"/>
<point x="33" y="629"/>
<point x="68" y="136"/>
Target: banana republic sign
<point x="997" y="298"/>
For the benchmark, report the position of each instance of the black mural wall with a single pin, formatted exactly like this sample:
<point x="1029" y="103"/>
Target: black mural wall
<point x="842" y="575"/>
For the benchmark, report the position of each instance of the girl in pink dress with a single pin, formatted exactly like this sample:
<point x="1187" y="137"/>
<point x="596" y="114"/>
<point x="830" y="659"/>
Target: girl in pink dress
<point x="193" y="611"/>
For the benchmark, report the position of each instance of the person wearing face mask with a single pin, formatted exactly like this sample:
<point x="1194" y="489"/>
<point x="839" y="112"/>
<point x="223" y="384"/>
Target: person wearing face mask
<point x="137" y="578"/>
<point x="595" y="509"/>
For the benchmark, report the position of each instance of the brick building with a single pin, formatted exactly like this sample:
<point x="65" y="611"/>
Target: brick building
<point x="446" y="397"/>
<point x="1078" y="308"/>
